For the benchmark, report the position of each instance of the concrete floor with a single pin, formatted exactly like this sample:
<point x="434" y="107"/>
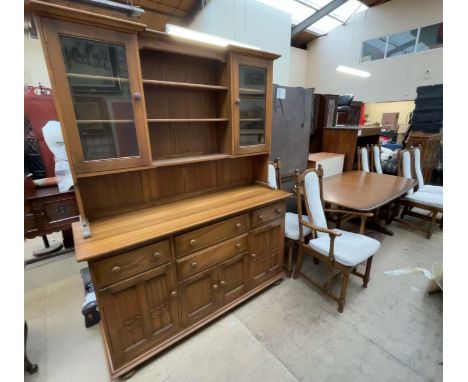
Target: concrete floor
<point x="391" y="331"/>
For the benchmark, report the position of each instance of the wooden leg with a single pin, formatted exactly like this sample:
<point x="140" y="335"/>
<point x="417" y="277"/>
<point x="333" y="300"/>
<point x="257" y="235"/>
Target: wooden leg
<point x="300" y="259"/>
<point x="429" y="228"/>
<point x="403" y="213"/>
<point x="31" y="368"/>
<point x="367" y="274"/>
<point x="344" y="287"/>
<point x="290" y="255"/>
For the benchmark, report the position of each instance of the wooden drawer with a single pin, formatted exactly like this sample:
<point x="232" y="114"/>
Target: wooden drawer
<point x="203" y="259"/>
<point x="263" y="215"/>
<point x="60" y="210"/>
<point x="118" y="267"/>
<point x="213" y="233"/>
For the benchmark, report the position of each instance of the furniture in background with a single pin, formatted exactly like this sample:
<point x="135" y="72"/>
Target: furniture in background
<point x="291" y="230"/>
<point x="325" y="106"/>
<point x="431" y="155"/>
<point x="170" y="142"/>
<point x="346" y="139"/>
<point x="427" y="201"/>
<point x="365" y="192"/>
<point x="348" y="111"/>
<point x="428" y="113"/>
<point x="417" y="154"/>
<point x="47" y="210"/>
<point x="338" y="250"/>
<point x="364" y="162"/>
<point x="376" y="158"/>
<point x="332" y="163"/>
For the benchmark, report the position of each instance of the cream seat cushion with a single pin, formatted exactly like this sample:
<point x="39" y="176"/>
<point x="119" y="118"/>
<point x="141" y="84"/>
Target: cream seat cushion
<point x="427" y="198"/>
<point x="350" y="248"/>
<point x="432" y="189"/>
<point x="291" y="229"/>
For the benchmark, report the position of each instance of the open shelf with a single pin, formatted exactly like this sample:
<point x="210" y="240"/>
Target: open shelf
<point x="251" y="119"/>
<point x="251" y="91"/>
<point x="187" y="85"/>
<point x="188" y="159"/>
<point x="182" y="120"/>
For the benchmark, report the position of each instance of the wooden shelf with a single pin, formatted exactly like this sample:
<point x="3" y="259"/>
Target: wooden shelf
<point x="251" y="91"/>
<point x="251" y="119"/>
<point x="94" y="77"/>
<point x="186" y="85"/>
<point x="92" y="121"/>
<point x="190" y="159"/>
<point x="179" y="120"/>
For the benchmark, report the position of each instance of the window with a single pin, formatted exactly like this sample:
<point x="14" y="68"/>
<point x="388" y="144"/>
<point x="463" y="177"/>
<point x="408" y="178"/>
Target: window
<point x="398" y="44"/>
<point x="430" y="37"/>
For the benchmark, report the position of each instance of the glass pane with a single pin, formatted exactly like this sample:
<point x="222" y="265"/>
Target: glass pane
<point x="431" y="37"/>
<point x="252" y="82"/>
<point x="98" y="79"/>
<point x="401" y="43"/>
<point x="373" y="49"/>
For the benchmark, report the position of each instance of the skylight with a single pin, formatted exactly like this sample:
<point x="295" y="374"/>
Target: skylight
<point x="299" y="10"/>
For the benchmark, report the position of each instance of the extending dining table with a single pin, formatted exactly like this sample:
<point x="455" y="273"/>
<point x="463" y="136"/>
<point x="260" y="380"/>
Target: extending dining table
<point x="365" y="192"/>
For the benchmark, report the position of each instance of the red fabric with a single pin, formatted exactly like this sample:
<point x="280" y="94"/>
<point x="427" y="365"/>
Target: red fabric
<point x="40" y="109"/>
<point x="362" y="113"/>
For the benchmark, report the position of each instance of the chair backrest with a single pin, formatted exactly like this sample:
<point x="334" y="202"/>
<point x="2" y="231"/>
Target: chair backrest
<point x="404" y="166"/>
<point x="309" y="184"/>
<point x="274" y="176"/>
<point x="417" y="165"/>
<point x="376" y="158"/>
<point x="363" y="158"/>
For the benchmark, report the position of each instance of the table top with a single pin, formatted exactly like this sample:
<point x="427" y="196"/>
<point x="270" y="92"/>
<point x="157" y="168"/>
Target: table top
<point x="364" y="191"/>
<point x="125" y="231"/>
<point x="322" y="155"/>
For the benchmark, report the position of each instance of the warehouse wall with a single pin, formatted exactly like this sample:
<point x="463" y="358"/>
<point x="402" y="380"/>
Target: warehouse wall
<point x="253" y="23"/>
<point x="297" y="67"/>
<point x="374" y="110"/>
<point x="392" y="79"/>
<point x="35" y="68"/>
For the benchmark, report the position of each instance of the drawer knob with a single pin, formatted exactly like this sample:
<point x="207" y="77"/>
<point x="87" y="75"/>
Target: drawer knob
<point x="192" y="242"/>
<point x="157" y="255"/>
<point x="278" y="210"/>
<point x="174" y="293"/>
<point x="254" y="255"/>
<point x="222" y="282"/>
<point x="194" y="264"/>
<point x="137" y="96"/>
<point x="237" y="101"/>
<point x="215" y="286"/>
<point x="238" y="245"/>
<point x="116" y="270"/>
<point x="238" y="225"/>
<point x="260" y="217"/>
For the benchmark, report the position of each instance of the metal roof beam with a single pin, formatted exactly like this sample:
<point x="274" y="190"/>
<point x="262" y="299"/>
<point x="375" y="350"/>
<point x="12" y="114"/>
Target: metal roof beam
<point x="321" y="13"/>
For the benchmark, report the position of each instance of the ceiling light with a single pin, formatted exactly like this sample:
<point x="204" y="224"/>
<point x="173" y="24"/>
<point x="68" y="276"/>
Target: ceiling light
<point x="352" y="71"/>
<point x="203" y="37"/>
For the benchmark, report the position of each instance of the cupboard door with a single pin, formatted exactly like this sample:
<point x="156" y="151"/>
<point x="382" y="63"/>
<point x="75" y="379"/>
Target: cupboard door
<point x="265" y="258"/>
<point x="232" y="279"/>
<point x="252" y="104"/>
<point x="98" y="93"/>
<point x="139" y="312"/>
<point x="199" y="296"/>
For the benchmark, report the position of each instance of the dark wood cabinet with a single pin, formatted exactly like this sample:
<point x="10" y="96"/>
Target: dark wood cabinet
<point x="325" y="106"/>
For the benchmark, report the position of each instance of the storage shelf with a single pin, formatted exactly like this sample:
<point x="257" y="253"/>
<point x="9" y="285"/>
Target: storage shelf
<point x="251" y="119"/>
<point x="186" y="85"/>
<point x="190" y="159"/>
<point x="92" y="121"/>
<point x="179" y="120"/>
<point x="95" y="77"/>
<point x="251" y="91"/>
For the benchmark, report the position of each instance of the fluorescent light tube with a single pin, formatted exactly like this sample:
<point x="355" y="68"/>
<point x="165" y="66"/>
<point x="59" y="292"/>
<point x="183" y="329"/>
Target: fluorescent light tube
<point x="352" y="71"/>
<point x="203" y="37"/>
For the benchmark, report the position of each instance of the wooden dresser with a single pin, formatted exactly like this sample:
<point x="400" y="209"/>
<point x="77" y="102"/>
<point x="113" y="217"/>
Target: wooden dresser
<point x="169" y="142"/>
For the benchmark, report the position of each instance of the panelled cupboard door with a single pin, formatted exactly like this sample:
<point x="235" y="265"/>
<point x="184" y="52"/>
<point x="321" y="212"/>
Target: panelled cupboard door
<point x="265" y="258"/>
<point x="98" y="90"/>
<point x="232" y="278"/>
<point x="139" y="312"/>
<point x="252" y="104"/>
<point x="199" y="296"/>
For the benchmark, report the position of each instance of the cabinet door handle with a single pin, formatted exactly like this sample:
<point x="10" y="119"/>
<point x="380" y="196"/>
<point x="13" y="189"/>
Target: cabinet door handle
<point x="222" y="282"/>
<point x="192" y="242"/>
<point x="238" y="225"/>
<point x="237" y="101"/>
<point x="174" y="293"/>
<point x="260" y="217"/>
<point x="238" y="245"/>
<point x="254" y="255"/>
<point x="278" y="210"/>
<point x="194" y="264"/>
<point x="157" y="255"/>
<point x="215" y="286"/>
<point x="116" y="270"/>
<point x="137" y="96"/>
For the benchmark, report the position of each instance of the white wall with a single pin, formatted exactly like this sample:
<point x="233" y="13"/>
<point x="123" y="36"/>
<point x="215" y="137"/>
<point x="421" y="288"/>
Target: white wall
<point x="35" y="68"/>
<point x="297" y="67"/>
<point x="253" y="23"/>
<point x="392" y="79"/>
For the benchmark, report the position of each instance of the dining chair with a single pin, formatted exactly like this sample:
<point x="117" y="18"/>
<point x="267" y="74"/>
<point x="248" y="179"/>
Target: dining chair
<point x="376" y="158"/>
<point x="417" y="154"/>
<point x="291" y="226"/>
<point x="338" y="250"/>
<point x="427" y="201"/>
<point x="363" y="158"/>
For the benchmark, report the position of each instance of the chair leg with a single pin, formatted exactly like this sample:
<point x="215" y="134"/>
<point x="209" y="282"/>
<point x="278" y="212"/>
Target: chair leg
<point x="344" y="287"/>
<point x="403" y="213"/>
<point x="300" y="259"/>
<point x="367" y="273"/>
<point x="290" y="255"/>
<point x="429" y="228"/>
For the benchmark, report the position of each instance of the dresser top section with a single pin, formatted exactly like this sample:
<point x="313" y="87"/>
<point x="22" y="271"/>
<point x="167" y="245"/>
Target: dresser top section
<point x="125" y="231"/>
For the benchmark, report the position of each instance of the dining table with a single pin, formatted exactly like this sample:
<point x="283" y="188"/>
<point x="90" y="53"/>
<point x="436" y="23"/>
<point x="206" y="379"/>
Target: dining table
<point x="365" y="192"/>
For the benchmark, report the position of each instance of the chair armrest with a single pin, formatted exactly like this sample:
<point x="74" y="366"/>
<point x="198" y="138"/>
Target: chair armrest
<point x="366" y="214"/>
<point x="331" y="232"/>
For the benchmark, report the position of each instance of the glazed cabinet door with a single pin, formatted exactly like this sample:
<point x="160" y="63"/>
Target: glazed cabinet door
<point x="139" y="312"/>
<point x="232" y="278"/>
<point x="97" y="86"/>
<point x="252" y="104"/>
<point x="266" y="249"/>
<point x="199" y="296"/>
